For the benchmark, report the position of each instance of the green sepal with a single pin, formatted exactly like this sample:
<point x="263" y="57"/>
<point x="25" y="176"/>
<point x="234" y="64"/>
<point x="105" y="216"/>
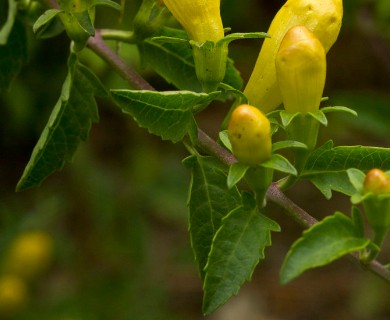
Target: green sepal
<point x="246" y="35"/>
<point x="280" y="163"/>
<point x="288" y="144"/>
<point x="44" y="20"/>
<point x="224" y="137"/>
<point x="236" y="173"/>
<point x="339" y="109"/>
<point x="106" y="3"/>
<point x="319" y="116"/>
<point x="239" y="95"/>
<point x="166" y="39"/>
<point x="321" y="244"/>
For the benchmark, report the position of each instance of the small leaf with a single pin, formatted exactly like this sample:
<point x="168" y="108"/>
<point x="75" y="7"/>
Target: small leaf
<point x="287" y="117"/>
<point x="236" y="173"/>
<point x="85" y="22"/>
<point x="288" y="144"/>
<point x="68" y="125"/>
<point x="247" y="35"/>
<point x="280" y="163"/>
<point x="166" y="114"/>
<point x="237" y="248"/>
<point x="320" y="245"/>
<point x="209" y="201"/>
<point x="44" y="19"/>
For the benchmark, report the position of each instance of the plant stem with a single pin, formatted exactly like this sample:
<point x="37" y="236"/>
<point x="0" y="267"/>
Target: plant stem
<point x="208" y="145"/>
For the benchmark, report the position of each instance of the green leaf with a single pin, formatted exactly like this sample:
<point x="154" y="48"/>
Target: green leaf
<point x="13" y="55"/>
<point x="356" y="177"/>
<point x="166" y="114"/>
<point x="237" y="248"/>
<point x="320" y="117"/>
<point x="44" y="19"/>
<point x="280" y="163"/>
<point x="247" y="35"/>
<point x="69" y="124"/>
<point x="236" y="173"/>
<point x="174" y="62"/>
<point x="6" y="29"/>
<point x="85" y="22"/>
<point x="326" y="167"/>
<point x="320" y="245"/>
<point x="209" y="201"/>
<point x="339" y="109"/>
<point x="336" y="181"/>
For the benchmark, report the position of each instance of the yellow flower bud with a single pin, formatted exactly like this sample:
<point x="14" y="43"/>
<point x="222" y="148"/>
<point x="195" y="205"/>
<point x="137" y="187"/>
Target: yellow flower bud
<point x="377" y="182"/>
<point x="323" y="18"/>
<point x="301" y="70"/>
<point x="250" y="135"/>
<point x="200" y="18"/>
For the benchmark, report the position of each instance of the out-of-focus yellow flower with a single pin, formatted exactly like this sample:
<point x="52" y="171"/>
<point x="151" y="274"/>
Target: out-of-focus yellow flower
<point x="250" y="135"/>
<point x="13" y="294"/>
<point x="29" y="255"/>
<point x="301" y="70"/>
<point x="323" y="18"/>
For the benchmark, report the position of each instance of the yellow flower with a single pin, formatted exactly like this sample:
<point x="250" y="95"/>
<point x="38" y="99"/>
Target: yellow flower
<point x="200" y="18"/>
<point x="301" y="70"/>
<point x="323" y="18"/>
<point x="377" y="182"/>
<point x="13" y="294"/>
<point x="250" y="135"/>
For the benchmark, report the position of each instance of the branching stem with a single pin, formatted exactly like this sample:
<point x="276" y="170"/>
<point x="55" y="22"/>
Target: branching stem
<point x="274" y="194"/>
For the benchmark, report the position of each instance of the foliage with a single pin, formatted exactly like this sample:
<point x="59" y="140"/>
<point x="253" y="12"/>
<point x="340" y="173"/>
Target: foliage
<point x="229" y="222"/>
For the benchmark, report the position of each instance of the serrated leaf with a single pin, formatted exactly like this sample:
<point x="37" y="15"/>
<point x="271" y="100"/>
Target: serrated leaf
<point x="13" y="55"/>
<point x="236" y="173"/>
<point x="323" y="243"/>
<point x="332" y="181"/>
<point x="280" y="163"/>
<point x="166" y="114"/>
<point x="209" y="201"/>
<point x="68" y="125"/>
<point x="237" y="248"/>
<point x="174" y="61"/>
<point x="6" y="29"/>
<point x="44" y="19"/>
<point x="326" y="167"/>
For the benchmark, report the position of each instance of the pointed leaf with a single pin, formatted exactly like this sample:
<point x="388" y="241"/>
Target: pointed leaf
<point x="224" y="137"/>
<point x="280" y="163"/>
<point x="166" y="114"/>
<point x="236" y="173"/>
<point x="237" y="248"/>
<point x="209" y="201"/>
<point x="339" y="109"/>
<point x="288" y="144"/>
<point x="320" y="117"/>
<point x="323" y="243"/>
<point x="333" y="181"/>
<point x="13" y="55"/>
<point x="69" y="124"/>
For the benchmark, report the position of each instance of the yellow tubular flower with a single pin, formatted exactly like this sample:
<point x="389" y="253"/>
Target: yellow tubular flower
<point x="200" y="18"/>
<point x="250" y="135"/>
<point x="301" y="70"/>
<point x="323" y="18"/>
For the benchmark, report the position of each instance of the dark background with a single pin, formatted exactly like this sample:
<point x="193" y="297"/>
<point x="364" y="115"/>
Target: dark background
<point x="118" y="213"/>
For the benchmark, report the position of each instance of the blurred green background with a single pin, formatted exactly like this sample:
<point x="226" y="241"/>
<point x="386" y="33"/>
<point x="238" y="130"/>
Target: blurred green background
<point x="116" y="218"/>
